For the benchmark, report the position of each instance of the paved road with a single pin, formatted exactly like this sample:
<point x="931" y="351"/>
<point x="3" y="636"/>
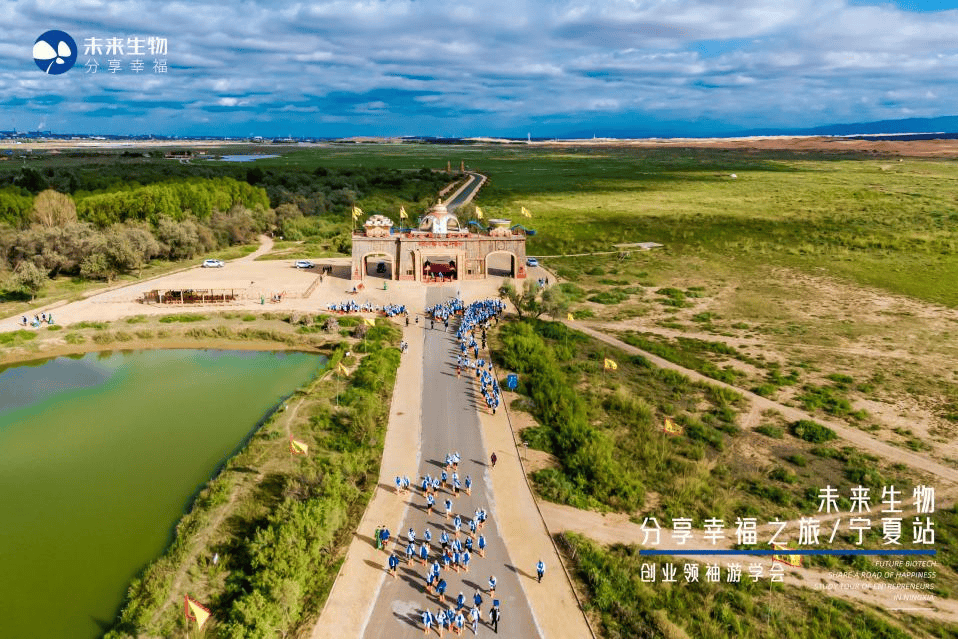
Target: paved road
<point x="450" y="423"/>
<point x="466" y="194"/>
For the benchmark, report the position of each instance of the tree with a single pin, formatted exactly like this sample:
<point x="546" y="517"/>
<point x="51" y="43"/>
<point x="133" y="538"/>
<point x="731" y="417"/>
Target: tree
<point x="15" y="207"/>
<point x="555" y="303"/>
<point x="178" y="240"/>
<point x="526" y="301"/>
<point x="51" y="208"/>
<point x="96" y="267"/>
<point x="28" y="278"/>
<point x="145" y="247"/>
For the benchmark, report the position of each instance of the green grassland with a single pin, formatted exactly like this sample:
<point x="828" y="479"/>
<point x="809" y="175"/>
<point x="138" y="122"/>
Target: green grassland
<point x="627" y="606"/>
<point x="873" y="220"/>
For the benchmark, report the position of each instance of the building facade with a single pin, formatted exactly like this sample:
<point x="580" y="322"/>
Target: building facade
<point x="439" y="248"/>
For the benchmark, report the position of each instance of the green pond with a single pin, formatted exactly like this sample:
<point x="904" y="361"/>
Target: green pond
<point x="100" y="455"/>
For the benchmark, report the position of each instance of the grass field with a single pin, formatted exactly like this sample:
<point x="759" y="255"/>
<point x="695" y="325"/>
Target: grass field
<point x="626" y="605"/>
<point x="874" y="220"/>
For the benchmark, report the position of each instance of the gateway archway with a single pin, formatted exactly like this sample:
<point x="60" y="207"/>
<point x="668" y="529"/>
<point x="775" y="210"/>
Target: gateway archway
<point x="450" y="250"/>
<point x="440" y="268"/>
<point x="378" y="265"/>
<point x="502" y="264"/>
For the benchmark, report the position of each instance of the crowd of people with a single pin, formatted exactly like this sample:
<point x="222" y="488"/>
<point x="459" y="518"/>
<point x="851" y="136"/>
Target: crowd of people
<point x="42" y="318"/>
<point x="458" y="538"/>
<point x="352" y="306"/>
<point x="471" y="334"/>
<point x="392" y="310"/>
<point x="452" y="541"/>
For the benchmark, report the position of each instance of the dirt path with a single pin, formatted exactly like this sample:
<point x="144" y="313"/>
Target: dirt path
<point x="641" y="325"/>
<point x="856" y="437"/>
<point x="265" y="246"/>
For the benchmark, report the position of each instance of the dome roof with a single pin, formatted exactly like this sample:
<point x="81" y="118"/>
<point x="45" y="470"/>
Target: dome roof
<point x="439" y="220"/>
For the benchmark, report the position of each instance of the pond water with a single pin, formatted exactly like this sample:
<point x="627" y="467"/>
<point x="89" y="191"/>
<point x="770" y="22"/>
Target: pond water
<point x="100" y="455"/>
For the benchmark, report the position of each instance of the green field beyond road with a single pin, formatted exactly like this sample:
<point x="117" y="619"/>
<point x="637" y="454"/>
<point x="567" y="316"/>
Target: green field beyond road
<point x="99" y="458"/>
<point x="878" y="221"/>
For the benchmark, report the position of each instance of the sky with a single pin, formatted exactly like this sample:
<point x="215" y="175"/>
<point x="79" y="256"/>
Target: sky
<point x="489" y="67"/>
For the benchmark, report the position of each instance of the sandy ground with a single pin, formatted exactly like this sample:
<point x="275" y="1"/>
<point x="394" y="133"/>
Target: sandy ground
<point x="917" y="148"/>
<point x="256" y="278"/>
<point x="809" y="144"/>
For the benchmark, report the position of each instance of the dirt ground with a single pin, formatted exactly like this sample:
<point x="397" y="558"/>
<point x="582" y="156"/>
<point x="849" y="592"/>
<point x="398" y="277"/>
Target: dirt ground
<point x="899" y="351"/>
<point x="817" y="144"/>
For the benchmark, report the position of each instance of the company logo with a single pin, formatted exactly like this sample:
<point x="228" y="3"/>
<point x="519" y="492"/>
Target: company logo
<point x="55" y="52"/>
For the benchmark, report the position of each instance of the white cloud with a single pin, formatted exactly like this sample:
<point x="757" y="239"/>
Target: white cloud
<point x="432" y="63"/>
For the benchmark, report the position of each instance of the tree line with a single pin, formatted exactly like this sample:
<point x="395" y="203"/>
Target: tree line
<point x="97" y="221"/>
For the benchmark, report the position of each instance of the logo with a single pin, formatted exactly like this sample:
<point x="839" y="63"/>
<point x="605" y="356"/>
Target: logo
<point x="55" y="52"/>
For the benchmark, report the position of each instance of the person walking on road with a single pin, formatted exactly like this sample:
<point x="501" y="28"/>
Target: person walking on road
<point x="393" y="565"/>
<point x="474" y="615"/>
<point x="492" y="586"/>
<point x="441" y="620"/>
<point x="384" y="538"/>
<point x="494" y="619"/>
<point x="540" y="569"/>
<point x="426" y="621"/>
<point x="493" y="460"/>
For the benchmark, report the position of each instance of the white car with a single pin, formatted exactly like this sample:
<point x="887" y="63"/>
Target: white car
<point x="531" y="261"/>
<point x="213" y="264"/>
<point x="304" y="264"/>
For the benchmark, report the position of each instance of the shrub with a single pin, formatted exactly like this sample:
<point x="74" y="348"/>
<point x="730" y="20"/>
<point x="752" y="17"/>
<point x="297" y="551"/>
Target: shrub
<point x="797" y="460"/>
<point x="811" y="431"/>
<point x="780" y="474"/>
<point x="770" y="431"/>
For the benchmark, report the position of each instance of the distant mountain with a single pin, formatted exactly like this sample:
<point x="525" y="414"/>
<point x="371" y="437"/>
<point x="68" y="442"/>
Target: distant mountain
<point x="946" y="123"/>
<point x="701" y="129"/>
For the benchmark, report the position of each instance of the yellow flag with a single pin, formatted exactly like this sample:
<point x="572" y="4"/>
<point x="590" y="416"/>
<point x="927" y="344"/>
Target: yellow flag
<point x="357" y="213"/>
<point x="672" y="428"/>
<point x="569" y="315"/>
<point x="526" y="212"/>
<point x="478" y="213"/>
<point x="369" y="322"/>
<point x="402" y="213"/>
<point x="790" y="560"/>
<point x="342" y="369"/>
<point x="297" y="447"/>
<point x="610" y="364"/>
<point x="196" y="612"/>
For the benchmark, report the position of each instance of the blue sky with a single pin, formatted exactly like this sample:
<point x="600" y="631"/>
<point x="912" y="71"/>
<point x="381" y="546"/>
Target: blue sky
<point x="492" y="67"/>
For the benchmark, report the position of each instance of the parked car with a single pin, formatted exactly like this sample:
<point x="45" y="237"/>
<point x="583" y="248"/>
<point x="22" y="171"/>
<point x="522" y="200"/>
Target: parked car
<point x="531" y="261"/>
<point x="304" y="264"/>
<point x="213" y="264"/>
